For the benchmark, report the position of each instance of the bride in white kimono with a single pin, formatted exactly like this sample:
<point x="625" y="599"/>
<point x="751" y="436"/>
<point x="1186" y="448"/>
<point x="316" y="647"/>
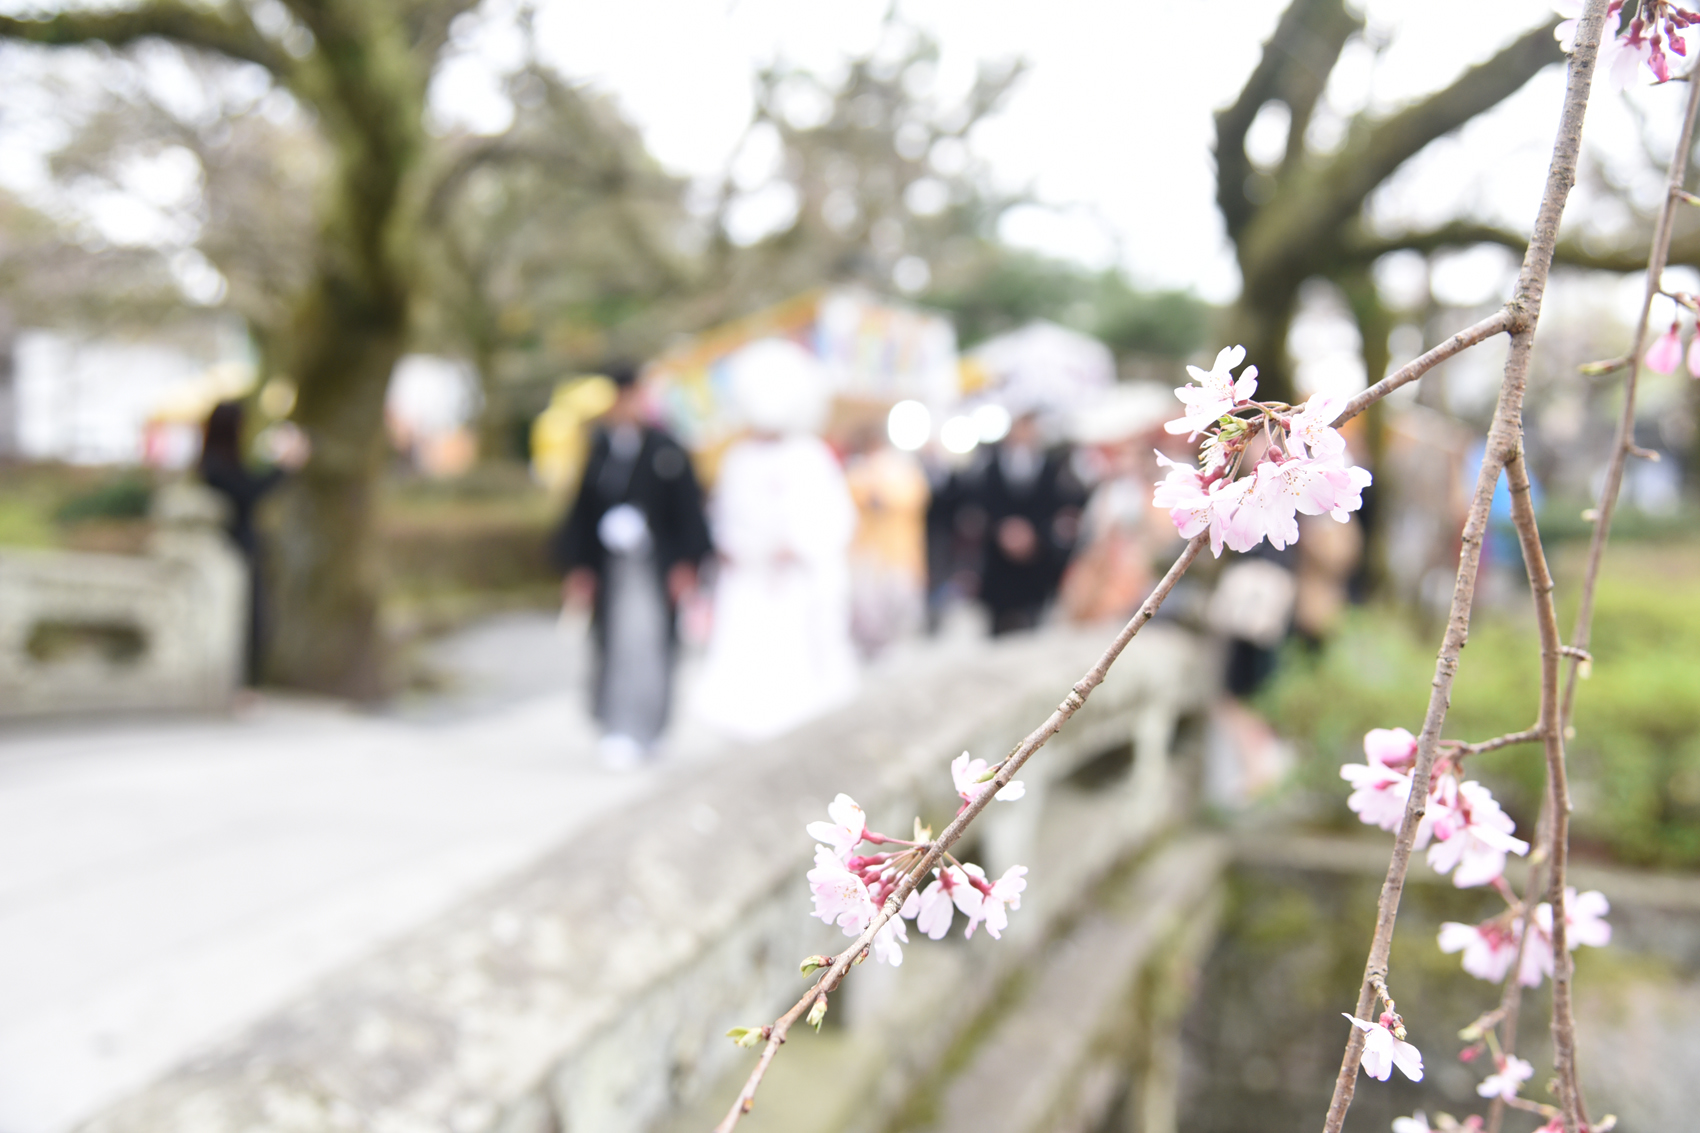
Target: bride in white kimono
<point x="782" y="518"/>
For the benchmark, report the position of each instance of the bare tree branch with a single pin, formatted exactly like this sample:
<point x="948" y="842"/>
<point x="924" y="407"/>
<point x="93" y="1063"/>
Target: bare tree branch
<point x="1571" y="253"/>
<point x="225" y="30"/>
<point x="1293" y="69"/>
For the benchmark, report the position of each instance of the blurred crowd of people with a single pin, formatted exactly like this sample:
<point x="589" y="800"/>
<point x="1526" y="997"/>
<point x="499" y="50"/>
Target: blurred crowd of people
<point x="822" y="543"/>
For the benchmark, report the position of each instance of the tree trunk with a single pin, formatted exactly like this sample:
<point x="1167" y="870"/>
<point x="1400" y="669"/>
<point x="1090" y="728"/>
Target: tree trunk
<point x="326" y="634"/>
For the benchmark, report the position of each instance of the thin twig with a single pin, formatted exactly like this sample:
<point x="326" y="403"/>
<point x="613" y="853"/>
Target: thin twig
<point x="1071" y="704"/>
<point x="1503" y="444"/>
<point x="1497" y="323"/>
<point x="1558" y="786"/>
<point x="1526" y="736"/>
<point x="1580" y="635"/>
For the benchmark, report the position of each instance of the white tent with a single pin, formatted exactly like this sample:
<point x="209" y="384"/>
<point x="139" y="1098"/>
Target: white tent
<point x="1045" y="368"/>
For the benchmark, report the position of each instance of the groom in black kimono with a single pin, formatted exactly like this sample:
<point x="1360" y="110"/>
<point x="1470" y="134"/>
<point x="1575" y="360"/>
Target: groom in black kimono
<point x="630" y="546"/>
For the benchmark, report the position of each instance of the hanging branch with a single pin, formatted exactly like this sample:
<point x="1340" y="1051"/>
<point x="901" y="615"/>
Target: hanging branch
<point x="1624" y="447"/>
<point x="1504" y="444"/>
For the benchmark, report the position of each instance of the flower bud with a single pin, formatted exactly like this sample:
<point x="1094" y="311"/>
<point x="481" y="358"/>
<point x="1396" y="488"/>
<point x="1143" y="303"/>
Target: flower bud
<point x="748" y="1037"/>
<point x="813" y="964"/>
<point x="817" y="1013"/>
<point x="990" y="773"/>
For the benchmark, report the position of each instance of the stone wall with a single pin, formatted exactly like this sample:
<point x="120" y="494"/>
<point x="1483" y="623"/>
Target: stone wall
<point x="590" y="992"/>
<point x="85" y="632"/>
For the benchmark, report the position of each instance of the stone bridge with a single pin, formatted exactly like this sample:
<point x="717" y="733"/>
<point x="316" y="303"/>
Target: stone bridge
<point x="588" y="991"/>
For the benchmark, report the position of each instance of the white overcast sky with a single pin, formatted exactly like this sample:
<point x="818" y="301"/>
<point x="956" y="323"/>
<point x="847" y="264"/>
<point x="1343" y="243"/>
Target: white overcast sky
<point x="1112" y="120"/>
<point x="1111" y="125"/>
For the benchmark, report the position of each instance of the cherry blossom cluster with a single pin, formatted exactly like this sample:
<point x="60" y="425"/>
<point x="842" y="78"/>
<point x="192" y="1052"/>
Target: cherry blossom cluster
<point x="1666" y="354"/>
<point x="1491" y="948"/>
<point x="850" y="887"/>
<point x="1297" y="462"/>
<point x="1470" y="834"/>
<point x="1657" y="25"/>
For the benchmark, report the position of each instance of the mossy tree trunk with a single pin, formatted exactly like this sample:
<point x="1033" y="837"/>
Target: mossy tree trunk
<point x="1301" y="218"/>
<point x="362" y="66"/>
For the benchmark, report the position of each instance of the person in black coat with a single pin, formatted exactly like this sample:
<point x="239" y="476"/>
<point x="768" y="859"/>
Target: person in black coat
<point x="222" y="469"/>
<point x="630" y="546"/>
<point x="1026" y="501"/>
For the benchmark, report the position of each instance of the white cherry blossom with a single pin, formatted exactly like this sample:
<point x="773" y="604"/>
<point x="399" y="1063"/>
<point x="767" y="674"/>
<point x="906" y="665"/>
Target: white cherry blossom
<point x="1507" y="1081"/>
<point x="949" y="891"/>
<point x="841" y="897"/>
<point x="844" y="833"/>
<point x="965" y="773"/>
<point x="1416" y="1123"/>
<point x="1312" y="428"/>
<point x="1382" y="1052"/>
<point x="887" y="940"/>
<point x="1489" y="949"/>
<point x="994" y="906"/>
<point x="1216" y="393"/>
<point x="1471" y="832"/>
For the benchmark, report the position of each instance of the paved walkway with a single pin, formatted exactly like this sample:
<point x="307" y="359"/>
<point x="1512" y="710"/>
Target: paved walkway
<point x="163" y="883"/>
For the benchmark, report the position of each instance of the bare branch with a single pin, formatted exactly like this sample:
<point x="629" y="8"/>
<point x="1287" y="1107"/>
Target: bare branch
<point x="1526" y="736"/>
<point x="1558" y="791"/>
<point x="1293" y="69"/>
<point x="225" y="30"/>
<point x="1497" y="323"/>
<point x="1625" y="443"/>
<point x="1326" y="196"/>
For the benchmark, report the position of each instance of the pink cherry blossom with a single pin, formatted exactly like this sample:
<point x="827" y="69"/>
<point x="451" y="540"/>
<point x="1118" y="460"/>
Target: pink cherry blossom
<point x="1312" y="428"/>
<point x="1694" y="357"/>
<point x="1665" y="355"/>
<point x="1377" y="791"/>
<point x="1584" y="916"/>
<point x="1216" y="393"/>
<point x="996" y="899"/>
<point x="1474" y="836"/>
<point x="1193" y="507"/>
<point x="1390" y="747"/>
<point x="1489" y="949"/>
<point x="950" y="890"/>
<point x="1622" y="52"/>
<point x="966" y="773"/>
<point x="1512" y="1074"/>
<point x="1382" y="1052"/>
<point x="840" y="896"/>
<point x="844" y="833"/>
<point x="1584" y="920"/>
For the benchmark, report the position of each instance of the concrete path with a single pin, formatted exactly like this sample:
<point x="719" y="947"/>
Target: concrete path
<point x="165" y="882"/>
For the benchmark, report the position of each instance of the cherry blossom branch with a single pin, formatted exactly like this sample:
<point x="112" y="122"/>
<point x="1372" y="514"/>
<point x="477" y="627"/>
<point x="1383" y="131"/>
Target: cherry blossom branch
<point x="935" y="850"/>
<point x="1625" y="443"/>
<point x="1497" y="323"/>
<point x="1558" y="792"/>
<point x="1503" y="446"/>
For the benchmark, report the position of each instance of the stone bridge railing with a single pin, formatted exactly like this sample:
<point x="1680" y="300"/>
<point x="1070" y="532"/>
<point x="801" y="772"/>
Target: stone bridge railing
<point x="85" y="632"/>
<point x="590" y="993"/>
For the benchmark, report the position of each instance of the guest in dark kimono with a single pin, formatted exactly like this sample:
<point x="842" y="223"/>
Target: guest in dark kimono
<point x="630" y="546"/>
<point x="223" y="470"/>
<point x="1031" y="502"/>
